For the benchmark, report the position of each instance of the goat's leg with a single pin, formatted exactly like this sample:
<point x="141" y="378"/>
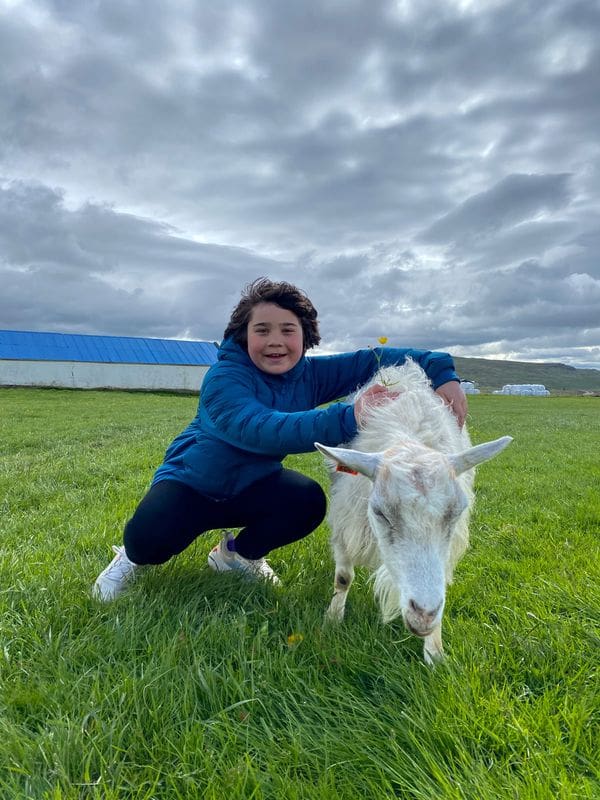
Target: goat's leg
<point x="344" y="575"/>
<point x="433" y="650"/>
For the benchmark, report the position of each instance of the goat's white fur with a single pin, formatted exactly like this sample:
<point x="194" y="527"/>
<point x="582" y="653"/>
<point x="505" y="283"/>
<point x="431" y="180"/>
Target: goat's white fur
<point x="406" y="514"/>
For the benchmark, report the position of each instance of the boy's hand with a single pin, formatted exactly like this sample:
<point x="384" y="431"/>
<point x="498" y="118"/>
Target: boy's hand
<point x="376" y="395"/>
<point x="453" y="396"/>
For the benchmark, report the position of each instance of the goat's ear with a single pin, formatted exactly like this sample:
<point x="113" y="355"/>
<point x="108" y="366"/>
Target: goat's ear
<point x="365" y="463"/>
<point x="476" y="455"/>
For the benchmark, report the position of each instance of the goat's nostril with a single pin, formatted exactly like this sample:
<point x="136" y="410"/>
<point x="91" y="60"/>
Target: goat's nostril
<point x="422" y="612"/>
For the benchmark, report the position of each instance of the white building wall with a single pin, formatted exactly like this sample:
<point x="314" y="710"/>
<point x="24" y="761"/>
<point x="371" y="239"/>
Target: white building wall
<point x="84" y="375"/>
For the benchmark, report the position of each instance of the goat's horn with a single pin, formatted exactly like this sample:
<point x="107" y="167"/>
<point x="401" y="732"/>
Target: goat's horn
<point x="476" y="455"/>
<point x="365" y="463"/>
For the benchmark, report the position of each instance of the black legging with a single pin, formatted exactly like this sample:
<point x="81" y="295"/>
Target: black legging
<point x="274" y="511"/>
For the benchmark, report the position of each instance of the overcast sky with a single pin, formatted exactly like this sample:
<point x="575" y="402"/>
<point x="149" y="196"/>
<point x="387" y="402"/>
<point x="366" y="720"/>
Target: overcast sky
<point x="426" y="170"/>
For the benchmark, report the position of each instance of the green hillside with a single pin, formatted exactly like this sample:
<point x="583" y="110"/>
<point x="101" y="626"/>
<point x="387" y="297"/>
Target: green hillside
<point x="558" y="378"/>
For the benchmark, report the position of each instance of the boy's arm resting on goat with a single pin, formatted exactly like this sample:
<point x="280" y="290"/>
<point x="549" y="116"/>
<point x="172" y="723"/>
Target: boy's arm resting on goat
<point x="339" y="375"/>
<point x="451" y="393"/>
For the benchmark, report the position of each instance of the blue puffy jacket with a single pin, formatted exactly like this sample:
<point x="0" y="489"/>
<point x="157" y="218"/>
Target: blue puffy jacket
<point x="249" y="420"/>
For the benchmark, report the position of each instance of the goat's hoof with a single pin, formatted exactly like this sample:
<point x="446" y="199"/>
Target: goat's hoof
<point x="431" y="659"/>
<point x="333" y="617"/>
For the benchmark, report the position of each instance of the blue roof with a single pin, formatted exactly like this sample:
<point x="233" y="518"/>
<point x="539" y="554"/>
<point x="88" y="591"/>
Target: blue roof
<point x="37" y="346"/>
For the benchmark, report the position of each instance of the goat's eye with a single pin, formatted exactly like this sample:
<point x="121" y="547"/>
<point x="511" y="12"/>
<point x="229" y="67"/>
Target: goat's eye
<point x="380" y="514"/>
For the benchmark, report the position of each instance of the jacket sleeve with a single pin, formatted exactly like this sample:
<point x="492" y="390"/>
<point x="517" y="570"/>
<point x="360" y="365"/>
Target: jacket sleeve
<point x="338" y="375"/>
<point x="230" y="411"/>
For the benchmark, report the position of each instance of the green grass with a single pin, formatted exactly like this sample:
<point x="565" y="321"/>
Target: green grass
<point x="187" y="686"/>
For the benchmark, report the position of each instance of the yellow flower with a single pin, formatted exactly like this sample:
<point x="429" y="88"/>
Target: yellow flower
<point x="294" y="638"/>
<point x="378" y="355"/>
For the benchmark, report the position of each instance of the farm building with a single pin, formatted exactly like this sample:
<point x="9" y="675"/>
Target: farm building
<point x="536" y="389"/>
<point x="81" y="361"/>
<point x="469" y="387"/>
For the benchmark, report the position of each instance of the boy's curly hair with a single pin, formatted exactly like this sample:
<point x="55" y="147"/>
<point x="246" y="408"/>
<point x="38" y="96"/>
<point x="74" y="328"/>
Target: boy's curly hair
<point x="283" y="294"/>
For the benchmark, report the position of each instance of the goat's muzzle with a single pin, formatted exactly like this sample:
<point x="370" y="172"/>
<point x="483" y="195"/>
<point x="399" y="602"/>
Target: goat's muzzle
<point x="418" y="632"/>
<point x="419" y="621"/>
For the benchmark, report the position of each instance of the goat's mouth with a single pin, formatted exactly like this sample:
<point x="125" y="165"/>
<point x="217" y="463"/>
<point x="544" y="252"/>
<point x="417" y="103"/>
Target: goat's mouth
<point x="422" y="633"/>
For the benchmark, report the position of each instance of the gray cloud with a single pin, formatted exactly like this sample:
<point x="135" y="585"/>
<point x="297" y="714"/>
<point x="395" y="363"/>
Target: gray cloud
<point x="93" y="269"/>
<point x="425" y="170"/>
<point x="514" y="200"/>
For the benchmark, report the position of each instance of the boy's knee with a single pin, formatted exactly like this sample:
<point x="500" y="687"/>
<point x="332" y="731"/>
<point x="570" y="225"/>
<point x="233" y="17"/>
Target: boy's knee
<point x="316" y="502"/>
<point x="144" y="543"/>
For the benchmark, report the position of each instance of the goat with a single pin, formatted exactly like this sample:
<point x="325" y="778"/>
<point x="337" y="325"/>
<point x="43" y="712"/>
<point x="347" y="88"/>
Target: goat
<point x="405" y="514"/>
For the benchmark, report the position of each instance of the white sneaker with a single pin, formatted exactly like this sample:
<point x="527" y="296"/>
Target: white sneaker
<point x="221" y="559"/>
<point x="113" y="580"/>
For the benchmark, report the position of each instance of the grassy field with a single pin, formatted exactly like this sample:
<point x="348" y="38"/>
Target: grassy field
<point x="190" y="687"/>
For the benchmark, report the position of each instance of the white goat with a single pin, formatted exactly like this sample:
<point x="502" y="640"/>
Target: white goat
<point x="406" y="514"/>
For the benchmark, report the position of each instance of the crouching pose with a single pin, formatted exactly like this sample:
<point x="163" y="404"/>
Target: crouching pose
<point x="261" y="401"/>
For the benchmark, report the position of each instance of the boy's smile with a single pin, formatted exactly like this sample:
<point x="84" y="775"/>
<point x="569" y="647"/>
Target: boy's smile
<point x="275" y="341"/>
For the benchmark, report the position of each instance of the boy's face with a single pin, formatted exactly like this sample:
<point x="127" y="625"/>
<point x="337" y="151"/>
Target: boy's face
<point x="275" y="341"/>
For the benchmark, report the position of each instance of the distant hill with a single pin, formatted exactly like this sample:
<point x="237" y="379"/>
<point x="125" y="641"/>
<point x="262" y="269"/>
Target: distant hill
<point x="489" y="375"/>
